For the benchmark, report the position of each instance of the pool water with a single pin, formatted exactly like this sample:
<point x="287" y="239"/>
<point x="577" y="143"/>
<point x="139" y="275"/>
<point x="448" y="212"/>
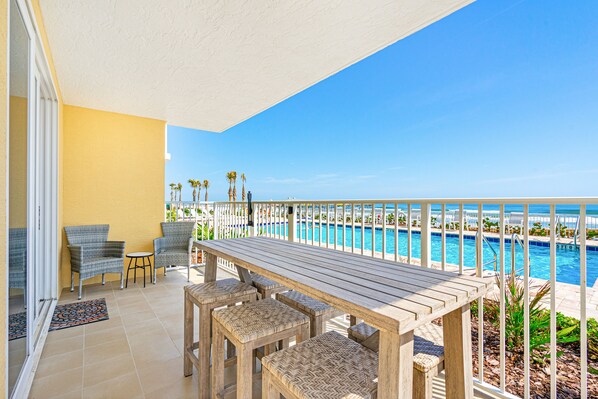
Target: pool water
<point x="567" y="260"/>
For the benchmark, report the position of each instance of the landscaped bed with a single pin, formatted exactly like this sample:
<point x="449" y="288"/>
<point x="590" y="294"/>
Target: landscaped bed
<point x="568" y="368"/>
<point x="568" y="373"/>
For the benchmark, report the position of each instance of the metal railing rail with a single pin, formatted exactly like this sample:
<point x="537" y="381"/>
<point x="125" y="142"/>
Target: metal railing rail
<point x="495" y="254"/>
<point x="515" y="239"/>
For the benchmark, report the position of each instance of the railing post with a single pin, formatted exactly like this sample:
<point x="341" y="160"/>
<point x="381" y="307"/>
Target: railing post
<point x="426" y="235"/>
<point x="216" y="217"/>
<point x="292" y="223"/>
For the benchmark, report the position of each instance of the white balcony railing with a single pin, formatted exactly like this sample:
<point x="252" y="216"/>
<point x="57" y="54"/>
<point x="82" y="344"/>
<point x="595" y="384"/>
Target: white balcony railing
<point x="527" y="240"/>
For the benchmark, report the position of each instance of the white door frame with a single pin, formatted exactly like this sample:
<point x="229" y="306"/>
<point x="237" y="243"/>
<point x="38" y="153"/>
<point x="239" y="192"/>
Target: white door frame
<point x="42" y="197"/>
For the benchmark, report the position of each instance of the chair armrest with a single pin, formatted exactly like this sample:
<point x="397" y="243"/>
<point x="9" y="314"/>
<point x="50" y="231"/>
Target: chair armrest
<point x="114" y="249"/>
<point x="159" y="245"/>
<point x="190" y="248"/>
<point x="77" y="253"/>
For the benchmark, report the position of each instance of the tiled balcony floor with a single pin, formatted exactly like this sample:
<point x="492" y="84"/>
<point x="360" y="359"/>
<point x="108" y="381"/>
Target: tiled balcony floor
<point x="137" y="353"/>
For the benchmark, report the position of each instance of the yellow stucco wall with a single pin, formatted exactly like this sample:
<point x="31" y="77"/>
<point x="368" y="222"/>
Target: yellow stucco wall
<point x="3" y="198"/>
<point x="113" y="172"/>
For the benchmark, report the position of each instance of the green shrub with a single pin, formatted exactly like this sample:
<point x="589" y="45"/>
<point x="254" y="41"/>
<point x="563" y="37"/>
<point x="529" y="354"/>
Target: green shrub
<point x="563" y="321"/>
<point x="539" y="320"/>
<point x="203" y="232"/>
<point x="538" y="230"/>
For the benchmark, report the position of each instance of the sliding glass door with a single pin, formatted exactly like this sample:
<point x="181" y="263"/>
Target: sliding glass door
<point x="32" y="186"/>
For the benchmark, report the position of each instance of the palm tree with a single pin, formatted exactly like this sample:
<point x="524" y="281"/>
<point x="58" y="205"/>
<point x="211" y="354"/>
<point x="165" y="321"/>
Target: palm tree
<point x="198" y="191"/>
<point x="229" y="177"/>
<point x="180" y="189"/>
<point x="206" y="185"/>
<point x="193" y="183"/>
<point x="234" y="185"/>
<point x="243" y="193"/>
<point x="172" y="188"/>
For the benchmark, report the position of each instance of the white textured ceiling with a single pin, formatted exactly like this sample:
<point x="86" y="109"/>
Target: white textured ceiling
<point x="212" y="64"/>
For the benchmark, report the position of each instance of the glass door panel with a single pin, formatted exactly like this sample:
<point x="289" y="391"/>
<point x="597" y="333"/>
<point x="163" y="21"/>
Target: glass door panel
<point x="18" y="249"/>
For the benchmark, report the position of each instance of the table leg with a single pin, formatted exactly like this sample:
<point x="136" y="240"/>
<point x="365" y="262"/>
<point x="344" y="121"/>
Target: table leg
<point x="457" y="353"/>
<point x="211" y="268"/>
<point x="135" y="272"/>
<point x="149" y="263"/>
<point x="395" y="367"/>
<point x="128" y="268"/>
<point x="244" y="275"/>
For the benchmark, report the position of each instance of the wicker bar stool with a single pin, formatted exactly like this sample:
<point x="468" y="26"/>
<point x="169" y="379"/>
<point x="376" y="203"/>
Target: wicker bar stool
<point x="265" y="286"/>
<point x="206" y="297"/>
<point x="428" y="354"/>
<point x="319" y="312"/>
<point x="249" y="327"/>
<point x="328" y="366"/>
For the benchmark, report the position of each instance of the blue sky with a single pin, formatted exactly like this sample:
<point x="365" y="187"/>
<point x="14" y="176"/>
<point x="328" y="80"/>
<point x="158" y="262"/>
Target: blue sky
<point x="499" y="99"/>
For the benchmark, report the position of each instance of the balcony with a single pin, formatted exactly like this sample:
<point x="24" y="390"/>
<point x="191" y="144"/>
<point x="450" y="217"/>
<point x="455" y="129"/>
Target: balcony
<point x="139" y="350"/>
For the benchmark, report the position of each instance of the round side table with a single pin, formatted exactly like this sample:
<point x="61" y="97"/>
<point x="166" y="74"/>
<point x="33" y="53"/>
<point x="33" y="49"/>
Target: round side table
<point x="137" y="256"/>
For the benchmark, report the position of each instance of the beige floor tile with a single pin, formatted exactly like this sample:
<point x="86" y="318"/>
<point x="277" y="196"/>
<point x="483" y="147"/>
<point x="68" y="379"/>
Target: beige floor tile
<point x="57" y="384"/>
<point x="58" y="335"/>
<point x="185" y="388"/>
<point x="113" y="321"/>
<point x="134" y="308"/>
<point x="105" y="336"/>
<point x="149" y="326"/>
<point x="159" y="375"/>
<point x="105" y="351"/>
<point x="76" y="394"/>
<point x="131" y="300"/>
<point x="157" y="350"/>
<point x="98" y="372"/>
<point x="59" y="363"/>
<point x="62" y="346"/>
<point x="138" y="317"/>
<point x="124" y="386"/>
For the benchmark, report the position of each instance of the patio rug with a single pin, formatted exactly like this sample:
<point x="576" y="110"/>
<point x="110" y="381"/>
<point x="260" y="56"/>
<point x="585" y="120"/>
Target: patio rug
<point x="65" y="316"/>
<point x="17" y="325"/>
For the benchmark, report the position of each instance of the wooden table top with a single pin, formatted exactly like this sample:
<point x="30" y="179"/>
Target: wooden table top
<point x="388" y="295"/>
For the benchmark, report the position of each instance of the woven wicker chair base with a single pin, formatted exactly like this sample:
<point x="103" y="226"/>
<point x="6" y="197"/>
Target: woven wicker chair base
<point x="428" y="354"/>
<point x="206" y="297"/>
<point x="251" y="326"/>
<point x="328" y="366"/>
<point x="318" y="312"/>
<point x="265" y="286"/>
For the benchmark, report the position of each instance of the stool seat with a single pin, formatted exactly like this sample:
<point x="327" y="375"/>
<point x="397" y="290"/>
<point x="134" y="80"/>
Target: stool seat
<point x="306" y="304"/>
<point x="218" y="291"/>
<point x="328" y="366"/>
<point x="428" y="344"/>
<point x="264" y="283"/>
<point x="258" y="319"/>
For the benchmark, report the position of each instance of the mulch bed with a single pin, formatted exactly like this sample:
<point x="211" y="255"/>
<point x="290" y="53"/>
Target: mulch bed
<point x="568" y="367"/>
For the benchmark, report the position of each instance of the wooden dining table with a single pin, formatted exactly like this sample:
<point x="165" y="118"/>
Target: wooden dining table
<point x="393" y="297"/>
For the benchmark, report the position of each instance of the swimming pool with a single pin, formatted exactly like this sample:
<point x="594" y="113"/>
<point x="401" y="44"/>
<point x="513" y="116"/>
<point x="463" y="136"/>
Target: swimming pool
<point x="567" y="260"/>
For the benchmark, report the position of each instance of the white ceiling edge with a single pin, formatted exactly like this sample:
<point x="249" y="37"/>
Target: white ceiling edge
<point x="211" y="65"/>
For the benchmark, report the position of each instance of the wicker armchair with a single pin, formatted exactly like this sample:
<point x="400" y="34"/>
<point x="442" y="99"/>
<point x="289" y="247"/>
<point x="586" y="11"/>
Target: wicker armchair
<point x="92" y="254"/>
<point x="17" y="259"/>
<point x="174" y="249"/>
